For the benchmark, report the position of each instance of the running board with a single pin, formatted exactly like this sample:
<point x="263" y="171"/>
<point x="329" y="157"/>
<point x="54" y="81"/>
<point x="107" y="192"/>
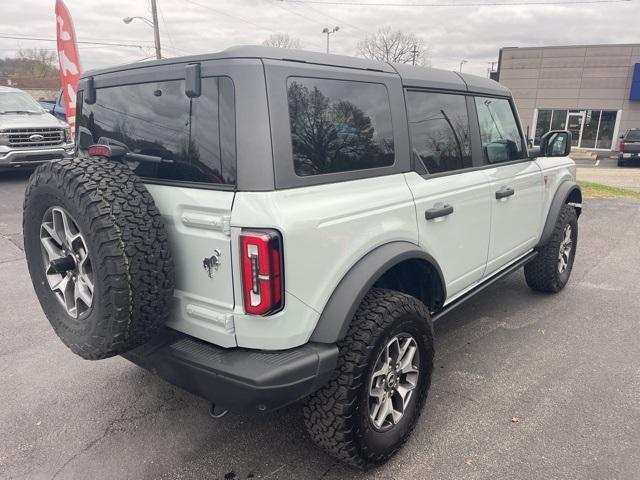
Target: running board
<point x="478" y="288"/>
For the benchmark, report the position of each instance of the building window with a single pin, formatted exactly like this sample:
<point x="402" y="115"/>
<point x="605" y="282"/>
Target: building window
<point x="589" y="128"/>
<point x="607" y="124"/>
<point x="542" y="124"/>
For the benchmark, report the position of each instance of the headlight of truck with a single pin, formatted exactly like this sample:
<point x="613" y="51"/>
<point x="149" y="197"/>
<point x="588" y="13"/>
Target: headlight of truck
<point x="4" y="138"/>
<point x="67" y="135"/>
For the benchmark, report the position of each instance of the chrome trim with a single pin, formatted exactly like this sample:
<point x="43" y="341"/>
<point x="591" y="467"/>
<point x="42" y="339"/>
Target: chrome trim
<point x="22" y="156"/>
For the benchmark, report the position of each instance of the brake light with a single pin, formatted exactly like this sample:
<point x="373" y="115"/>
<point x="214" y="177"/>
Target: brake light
<point x="99" y="151"/>
<point x="262" y="279"/>
<point x="621" y="147"/>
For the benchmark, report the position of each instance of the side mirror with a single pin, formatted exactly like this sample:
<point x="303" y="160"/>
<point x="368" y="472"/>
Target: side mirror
<point x="556" y="143"/>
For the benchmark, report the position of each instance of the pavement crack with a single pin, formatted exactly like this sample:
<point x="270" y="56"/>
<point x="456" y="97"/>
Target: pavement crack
<point x="461" y="395"/>
<point x="113" y="427"/>
<point x="326" y="472"/>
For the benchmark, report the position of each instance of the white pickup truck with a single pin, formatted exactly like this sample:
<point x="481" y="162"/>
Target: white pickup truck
<point x="262" y="226"/>
<point x="29" y="135"/>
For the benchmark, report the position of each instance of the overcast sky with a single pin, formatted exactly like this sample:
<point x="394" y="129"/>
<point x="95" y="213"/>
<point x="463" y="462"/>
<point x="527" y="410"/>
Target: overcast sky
<point x="198" y="26"/>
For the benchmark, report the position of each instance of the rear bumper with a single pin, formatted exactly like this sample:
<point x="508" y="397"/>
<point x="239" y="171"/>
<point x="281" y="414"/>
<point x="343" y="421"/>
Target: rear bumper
<point x="34" y="157"/>
<point x="629" y="156"/>
<point x="242" y="380"/>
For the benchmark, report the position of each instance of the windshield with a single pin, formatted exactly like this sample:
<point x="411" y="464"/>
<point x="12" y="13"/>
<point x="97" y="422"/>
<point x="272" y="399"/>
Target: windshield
<point x="633" y="136"/>
<point x="18" y="102"/>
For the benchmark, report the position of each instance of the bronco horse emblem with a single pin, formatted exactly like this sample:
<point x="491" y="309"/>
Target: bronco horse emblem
<point x="212" y="263"/>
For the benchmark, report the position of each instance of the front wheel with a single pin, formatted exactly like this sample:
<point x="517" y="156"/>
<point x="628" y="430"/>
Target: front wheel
<point x="551" y="269"/>
<point x="370" y="407"/>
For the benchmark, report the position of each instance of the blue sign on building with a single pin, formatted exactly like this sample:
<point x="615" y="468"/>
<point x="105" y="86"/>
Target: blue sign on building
<point x="634" y="94"/>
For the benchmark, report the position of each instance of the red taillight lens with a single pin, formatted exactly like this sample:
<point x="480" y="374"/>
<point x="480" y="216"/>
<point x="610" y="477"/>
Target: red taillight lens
<point x="262" y="282"/>
<point x="621" y="147"/>
<point x="99" y="151"/>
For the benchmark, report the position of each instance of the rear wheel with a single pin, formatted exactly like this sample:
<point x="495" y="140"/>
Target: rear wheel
<point x="370" y="407"/>
<point x="551" y="269"/>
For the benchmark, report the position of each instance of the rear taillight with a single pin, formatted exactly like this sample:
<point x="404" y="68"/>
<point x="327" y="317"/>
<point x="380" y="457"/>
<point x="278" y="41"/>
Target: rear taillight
<point x="621" y="147"/>
<point x="262" y="279"/>
<point x="99" y="151"/>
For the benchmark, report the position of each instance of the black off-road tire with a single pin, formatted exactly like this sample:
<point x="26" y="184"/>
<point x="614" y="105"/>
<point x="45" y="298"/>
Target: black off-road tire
<point x="542" y="273"/>
<point x="337" y="415"/>
<point x="128" y="247"/>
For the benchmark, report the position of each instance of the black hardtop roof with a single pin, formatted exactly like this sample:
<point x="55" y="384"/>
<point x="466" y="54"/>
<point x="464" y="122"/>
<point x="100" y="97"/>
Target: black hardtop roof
<point x="411" y="76"/>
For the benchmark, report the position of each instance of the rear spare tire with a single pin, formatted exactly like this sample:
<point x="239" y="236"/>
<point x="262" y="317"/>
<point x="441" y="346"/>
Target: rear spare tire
<point x="98" y="255"/>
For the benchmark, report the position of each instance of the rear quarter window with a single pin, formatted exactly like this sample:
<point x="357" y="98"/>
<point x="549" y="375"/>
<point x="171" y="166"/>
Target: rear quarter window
<point x="191" y="139"/>
<point x="339" y="125"/>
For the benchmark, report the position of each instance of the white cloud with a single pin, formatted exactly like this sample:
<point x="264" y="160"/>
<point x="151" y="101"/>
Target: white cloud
<point x="472" y="33"/>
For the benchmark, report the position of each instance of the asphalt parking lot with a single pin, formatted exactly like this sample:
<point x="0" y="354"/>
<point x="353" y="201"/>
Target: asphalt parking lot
<point x="526" y="386"/>
<point x="605" y="170"/>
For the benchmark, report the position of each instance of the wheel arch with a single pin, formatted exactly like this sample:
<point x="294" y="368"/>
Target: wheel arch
<point x="387" y="266"/>
<point x="568" y="192"/>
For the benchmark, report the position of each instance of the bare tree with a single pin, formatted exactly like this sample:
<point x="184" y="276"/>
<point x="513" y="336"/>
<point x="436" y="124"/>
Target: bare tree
<point x="282" y="40"/>
<point x="394" y="46"/>
<point x="36" y="63"/>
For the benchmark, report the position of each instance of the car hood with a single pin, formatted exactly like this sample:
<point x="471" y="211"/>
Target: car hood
<point x="29" y="120"/>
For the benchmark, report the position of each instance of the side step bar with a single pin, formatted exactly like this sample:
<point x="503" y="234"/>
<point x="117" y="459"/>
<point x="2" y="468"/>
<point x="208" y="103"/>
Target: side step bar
<point x="478" y="288"/>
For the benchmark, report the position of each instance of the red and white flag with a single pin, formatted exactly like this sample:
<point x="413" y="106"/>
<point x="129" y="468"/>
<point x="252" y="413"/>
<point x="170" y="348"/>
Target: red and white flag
<point x="69" y="59"/>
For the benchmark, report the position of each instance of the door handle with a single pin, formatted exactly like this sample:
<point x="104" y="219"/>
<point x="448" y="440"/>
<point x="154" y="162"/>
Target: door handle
<point x="439" y="211"/>
<point x="504" y="192"/>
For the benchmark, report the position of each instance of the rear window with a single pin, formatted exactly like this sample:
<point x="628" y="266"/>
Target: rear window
<point x="185" y="139"/>
<point x="633" y="136"/>
<point x="339" y="126"/>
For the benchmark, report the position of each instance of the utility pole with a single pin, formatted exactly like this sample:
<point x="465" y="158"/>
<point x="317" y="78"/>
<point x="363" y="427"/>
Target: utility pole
<point x="152" y="23"/>
<point x="156" y="30"/>
<point x="329" y="32"/>
<point x="414" y="52"/>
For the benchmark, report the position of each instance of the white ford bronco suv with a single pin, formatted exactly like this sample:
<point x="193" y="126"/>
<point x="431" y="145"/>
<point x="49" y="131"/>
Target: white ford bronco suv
<point x="263" y="226"/>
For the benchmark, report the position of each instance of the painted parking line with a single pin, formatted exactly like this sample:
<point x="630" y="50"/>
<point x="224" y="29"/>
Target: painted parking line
<point x="597" y="163"/>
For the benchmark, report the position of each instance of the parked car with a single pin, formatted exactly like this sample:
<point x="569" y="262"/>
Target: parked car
<point x="29" y="135"/>
<point x="629" y="147"/>
<point x="47" y="104"/>
<point x="262" y="226"/>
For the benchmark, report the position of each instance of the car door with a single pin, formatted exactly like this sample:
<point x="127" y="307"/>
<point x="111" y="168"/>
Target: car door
<point x="451" y="197"/>
<point x="516" y="183"/>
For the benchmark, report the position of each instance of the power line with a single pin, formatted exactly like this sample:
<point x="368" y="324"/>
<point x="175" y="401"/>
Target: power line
<point x="453" y="4"/>
<point x="85" y="42"/>
<point x="207" y="7"/>
<point x="340" y="21"/>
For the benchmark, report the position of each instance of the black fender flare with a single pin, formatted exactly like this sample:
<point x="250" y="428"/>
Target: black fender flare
<point x="342" y="305"/>
<point x="560" y="198"/>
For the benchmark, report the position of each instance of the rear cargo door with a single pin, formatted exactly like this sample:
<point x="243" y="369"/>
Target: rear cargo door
<point x="197" y="221"/>
<point x="183" y="146"/>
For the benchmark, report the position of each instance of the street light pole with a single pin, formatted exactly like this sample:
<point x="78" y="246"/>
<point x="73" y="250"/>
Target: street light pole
<point x="329" y="32"/>
<point x="153" y="24"/>
<point x="156" y="30"/>
<point x="462" y="63"/>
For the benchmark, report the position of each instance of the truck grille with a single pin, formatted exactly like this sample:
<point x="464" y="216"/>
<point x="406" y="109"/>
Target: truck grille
<point x="28" y="137"/>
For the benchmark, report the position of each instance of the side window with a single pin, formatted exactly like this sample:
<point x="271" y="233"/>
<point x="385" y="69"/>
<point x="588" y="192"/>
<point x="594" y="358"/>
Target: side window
<point x="499" y="133"/>
<point x="339" y="126"/>
<point x="186" y="139"/>
<point x="439" y="129"/>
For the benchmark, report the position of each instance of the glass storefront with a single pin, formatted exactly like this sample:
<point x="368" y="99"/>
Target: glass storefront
<point x="589" y="128"/>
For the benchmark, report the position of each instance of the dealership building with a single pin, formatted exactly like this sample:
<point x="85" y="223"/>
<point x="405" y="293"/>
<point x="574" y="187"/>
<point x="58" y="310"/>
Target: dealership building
<point x="591" y="90"/>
